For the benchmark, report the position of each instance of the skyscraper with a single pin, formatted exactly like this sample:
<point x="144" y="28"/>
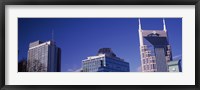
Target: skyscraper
<point x="105" y="61"/>
<point x="44" y="57"/>
<point x="155" y="50"/>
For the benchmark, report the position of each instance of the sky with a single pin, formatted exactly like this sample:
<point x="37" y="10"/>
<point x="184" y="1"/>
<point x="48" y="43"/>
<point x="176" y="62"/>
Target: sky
<point x="79" y="38"/>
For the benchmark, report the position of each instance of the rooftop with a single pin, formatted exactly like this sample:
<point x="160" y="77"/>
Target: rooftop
<point x="107" y="52"/>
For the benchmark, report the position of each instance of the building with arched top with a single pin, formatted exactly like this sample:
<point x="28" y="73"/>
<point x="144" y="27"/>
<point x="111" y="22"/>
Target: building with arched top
<point x="155" y="50"/>
<point x="104" y="61"/>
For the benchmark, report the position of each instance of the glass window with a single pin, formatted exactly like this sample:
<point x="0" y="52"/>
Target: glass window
<point x="154" y="66"/>
<point x="147" y="67"/>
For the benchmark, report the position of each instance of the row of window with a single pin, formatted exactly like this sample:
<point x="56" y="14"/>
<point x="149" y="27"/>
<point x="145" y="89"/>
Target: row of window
<point x="92" y="65"/>
<point x="90" y="69"/>
<point x="117" y="62"/>
<point x="117" y="67"/>
<point x="147" y="61"/>
<point x="92" y="60"/>
<point x="149" y="67"/>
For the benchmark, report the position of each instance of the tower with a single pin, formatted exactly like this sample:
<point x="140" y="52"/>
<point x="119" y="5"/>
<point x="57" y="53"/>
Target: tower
<point x="44" y="57"/>
<point x="155" y="51"/>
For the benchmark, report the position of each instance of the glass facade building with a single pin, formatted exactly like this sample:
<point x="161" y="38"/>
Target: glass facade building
<point x="105" y="61"/>
<point x="44" y="57"/>
<point x="155" y="50"/>
<point x="175" y="66"/>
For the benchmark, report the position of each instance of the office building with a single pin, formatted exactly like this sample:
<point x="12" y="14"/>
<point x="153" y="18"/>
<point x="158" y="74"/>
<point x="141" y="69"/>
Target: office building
<point x="44" y="57"/>
<point x="104" y="61"/>
<point x="175" y="66"/>
<point x="155" y="50"/>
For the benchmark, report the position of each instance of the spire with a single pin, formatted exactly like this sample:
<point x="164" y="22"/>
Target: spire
<point x="164" y="26"/>
<point x="140" y="28"/>
<point x="140" y="32"/>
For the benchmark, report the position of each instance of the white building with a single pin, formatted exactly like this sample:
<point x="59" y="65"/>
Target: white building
<point x="44" y="57"/>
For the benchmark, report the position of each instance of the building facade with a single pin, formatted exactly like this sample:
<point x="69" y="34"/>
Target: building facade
<point x="105" y="61"/>
<point x="155" y="50"/>
<point x="175" y="66"/>
<point x="44" y="57"/>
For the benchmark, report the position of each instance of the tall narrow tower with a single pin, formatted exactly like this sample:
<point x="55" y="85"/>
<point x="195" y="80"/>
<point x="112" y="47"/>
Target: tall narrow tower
<point x="155" y="50"/>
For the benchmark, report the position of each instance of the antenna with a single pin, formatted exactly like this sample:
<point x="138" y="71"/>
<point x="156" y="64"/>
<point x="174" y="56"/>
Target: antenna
<point x="164" y="26"/>
<point x="140" y="28"/>
<point x="52" y="33"/>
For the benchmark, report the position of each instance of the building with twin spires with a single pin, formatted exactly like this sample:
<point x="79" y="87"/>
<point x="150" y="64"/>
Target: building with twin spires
<point x="155" y="50"/>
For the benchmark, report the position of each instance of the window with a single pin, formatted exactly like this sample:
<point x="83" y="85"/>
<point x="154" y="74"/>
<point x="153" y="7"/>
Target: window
<point x="143" y="55"/>
<point x="147" y="67"/>
<point x="143" y="61"/>
<point x="154" y="66"/>
<point x="153" y="61"/>
<point x="144" y="67"/>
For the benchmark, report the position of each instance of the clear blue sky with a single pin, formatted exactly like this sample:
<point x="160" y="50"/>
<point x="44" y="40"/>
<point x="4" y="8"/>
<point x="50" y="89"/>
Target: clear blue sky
<point x="79" y="38"/>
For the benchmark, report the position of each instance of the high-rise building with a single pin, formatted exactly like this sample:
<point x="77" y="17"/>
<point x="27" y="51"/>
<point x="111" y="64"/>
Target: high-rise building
<point x="105" y="61"/>
<point x="175" y="66"/>
<point x="155" y="50"/>
<point x="44" y="57"/>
